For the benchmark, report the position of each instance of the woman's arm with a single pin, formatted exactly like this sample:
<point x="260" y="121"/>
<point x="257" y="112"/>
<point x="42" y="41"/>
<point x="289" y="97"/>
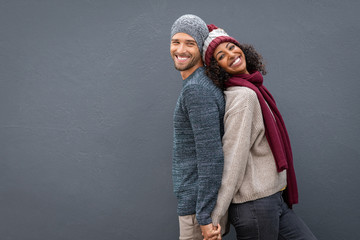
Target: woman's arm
<point x="236" y="146"/>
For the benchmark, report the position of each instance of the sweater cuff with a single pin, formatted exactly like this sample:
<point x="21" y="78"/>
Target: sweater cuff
<point x="218" y="216"/>
<point x="202" y="220"/>
<point x="215" y="219"/>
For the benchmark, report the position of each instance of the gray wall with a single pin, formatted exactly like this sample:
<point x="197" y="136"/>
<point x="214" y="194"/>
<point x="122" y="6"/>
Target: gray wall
<point x="87" y="92"/>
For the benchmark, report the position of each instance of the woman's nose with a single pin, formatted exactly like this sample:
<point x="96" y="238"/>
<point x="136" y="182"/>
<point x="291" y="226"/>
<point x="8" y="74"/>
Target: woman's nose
<point x="231" y="55"/>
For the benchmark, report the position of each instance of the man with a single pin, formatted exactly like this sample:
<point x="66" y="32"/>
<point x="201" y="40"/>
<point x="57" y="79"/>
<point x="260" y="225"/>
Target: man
<point x="198" y="129"/>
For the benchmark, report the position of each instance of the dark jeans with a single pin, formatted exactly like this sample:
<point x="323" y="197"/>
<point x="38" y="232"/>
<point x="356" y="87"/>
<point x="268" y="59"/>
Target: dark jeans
<point x="268" y="219"/>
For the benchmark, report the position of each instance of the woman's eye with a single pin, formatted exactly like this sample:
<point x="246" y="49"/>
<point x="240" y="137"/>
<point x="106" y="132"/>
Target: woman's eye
<point x="231" y="47"/>
<point x="221" y="57"/>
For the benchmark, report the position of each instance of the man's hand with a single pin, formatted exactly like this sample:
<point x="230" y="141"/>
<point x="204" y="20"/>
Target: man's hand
<point x="211" y="232"/>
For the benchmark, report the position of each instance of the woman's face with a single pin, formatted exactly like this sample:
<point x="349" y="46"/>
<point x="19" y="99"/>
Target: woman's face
<point x="231" y="58"/>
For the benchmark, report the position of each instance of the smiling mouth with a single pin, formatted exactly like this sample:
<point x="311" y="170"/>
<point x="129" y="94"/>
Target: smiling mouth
<point x="236" y="62"/>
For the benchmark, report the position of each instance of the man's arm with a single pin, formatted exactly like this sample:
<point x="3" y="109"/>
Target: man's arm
<point x="204" y="117"/>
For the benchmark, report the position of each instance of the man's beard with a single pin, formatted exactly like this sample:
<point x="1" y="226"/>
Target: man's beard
<point x="192" y="63"/>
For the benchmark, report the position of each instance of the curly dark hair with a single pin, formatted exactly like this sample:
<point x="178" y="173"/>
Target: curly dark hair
<point x="254" y="62"/>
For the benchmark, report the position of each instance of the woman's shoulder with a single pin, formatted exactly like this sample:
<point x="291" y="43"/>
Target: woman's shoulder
<point x="240" y="94"/>
<point x="239" y="98"/>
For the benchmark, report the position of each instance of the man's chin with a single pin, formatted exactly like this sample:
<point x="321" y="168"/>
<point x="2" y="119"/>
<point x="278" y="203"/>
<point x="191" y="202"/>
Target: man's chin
<point x="183" y="67"/>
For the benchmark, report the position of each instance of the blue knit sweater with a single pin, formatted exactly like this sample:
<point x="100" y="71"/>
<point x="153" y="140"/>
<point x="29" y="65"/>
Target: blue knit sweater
<point x="197" y="151"/>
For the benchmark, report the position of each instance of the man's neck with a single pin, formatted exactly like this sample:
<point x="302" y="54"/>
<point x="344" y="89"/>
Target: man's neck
<point x="185" y="74"/>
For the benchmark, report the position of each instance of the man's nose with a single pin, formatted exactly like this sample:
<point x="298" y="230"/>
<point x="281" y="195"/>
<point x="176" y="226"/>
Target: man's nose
<point x="181" y="48"/>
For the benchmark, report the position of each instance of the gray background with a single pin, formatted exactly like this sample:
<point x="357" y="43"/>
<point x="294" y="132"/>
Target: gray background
<point x="87" y="94"/>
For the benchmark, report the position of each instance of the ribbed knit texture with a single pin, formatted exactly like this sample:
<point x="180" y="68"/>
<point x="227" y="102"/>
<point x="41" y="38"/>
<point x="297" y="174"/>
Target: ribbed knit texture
<point x="250" y="170"/>
<point x="197" y="151"/>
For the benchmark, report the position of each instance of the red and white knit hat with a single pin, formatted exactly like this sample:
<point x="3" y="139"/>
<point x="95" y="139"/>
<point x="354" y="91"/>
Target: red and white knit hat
<point x="216" y="37"/>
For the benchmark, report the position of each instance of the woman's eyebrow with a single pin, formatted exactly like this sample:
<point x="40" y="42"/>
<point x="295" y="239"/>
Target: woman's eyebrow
<point x="218" y="53"/>
<point x="227" y="45"/>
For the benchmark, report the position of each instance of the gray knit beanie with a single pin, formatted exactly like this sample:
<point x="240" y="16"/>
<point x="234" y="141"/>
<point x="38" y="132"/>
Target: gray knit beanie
<point x="192" y="25"/>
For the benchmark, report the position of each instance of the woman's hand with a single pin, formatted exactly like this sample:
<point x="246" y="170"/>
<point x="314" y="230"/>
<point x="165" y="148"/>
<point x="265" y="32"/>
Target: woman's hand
<point x="211" y="232"/>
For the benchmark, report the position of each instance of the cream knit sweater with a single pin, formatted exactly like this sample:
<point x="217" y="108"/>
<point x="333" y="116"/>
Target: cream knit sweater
<point x="249" y="167"/>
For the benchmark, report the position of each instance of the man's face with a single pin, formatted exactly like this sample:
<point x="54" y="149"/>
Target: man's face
<point x="184" y="51"/>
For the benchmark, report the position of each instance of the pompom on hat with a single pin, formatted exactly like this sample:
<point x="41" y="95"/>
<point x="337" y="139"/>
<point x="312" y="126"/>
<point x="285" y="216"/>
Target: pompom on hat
<point x="216" y="37"/>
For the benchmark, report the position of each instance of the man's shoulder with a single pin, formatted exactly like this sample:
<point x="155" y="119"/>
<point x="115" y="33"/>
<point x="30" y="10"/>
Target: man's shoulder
<point x="199" y="77"/>
<point x="201" y="81"/>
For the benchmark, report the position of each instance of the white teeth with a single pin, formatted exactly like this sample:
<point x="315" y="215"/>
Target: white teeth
<point x="236" y="61"/>
<point x="182" y="58"/>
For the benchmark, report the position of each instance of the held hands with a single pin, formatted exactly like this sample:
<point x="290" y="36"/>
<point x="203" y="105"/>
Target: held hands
<point x="211" y="232"/>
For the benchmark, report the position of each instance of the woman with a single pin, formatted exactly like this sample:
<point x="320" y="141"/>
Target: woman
<point x="258" y="184"/>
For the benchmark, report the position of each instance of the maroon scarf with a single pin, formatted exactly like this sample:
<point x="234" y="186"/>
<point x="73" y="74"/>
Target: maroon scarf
<point x="275" y="130"/>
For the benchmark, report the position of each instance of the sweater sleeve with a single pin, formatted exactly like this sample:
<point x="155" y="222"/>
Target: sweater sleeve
<point x="236" y="146"/>
<point x="204" y="116"/>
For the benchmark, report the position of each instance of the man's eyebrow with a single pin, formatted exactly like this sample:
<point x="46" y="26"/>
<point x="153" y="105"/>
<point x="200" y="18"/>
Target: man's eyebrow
<point x="188" y="40"/>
